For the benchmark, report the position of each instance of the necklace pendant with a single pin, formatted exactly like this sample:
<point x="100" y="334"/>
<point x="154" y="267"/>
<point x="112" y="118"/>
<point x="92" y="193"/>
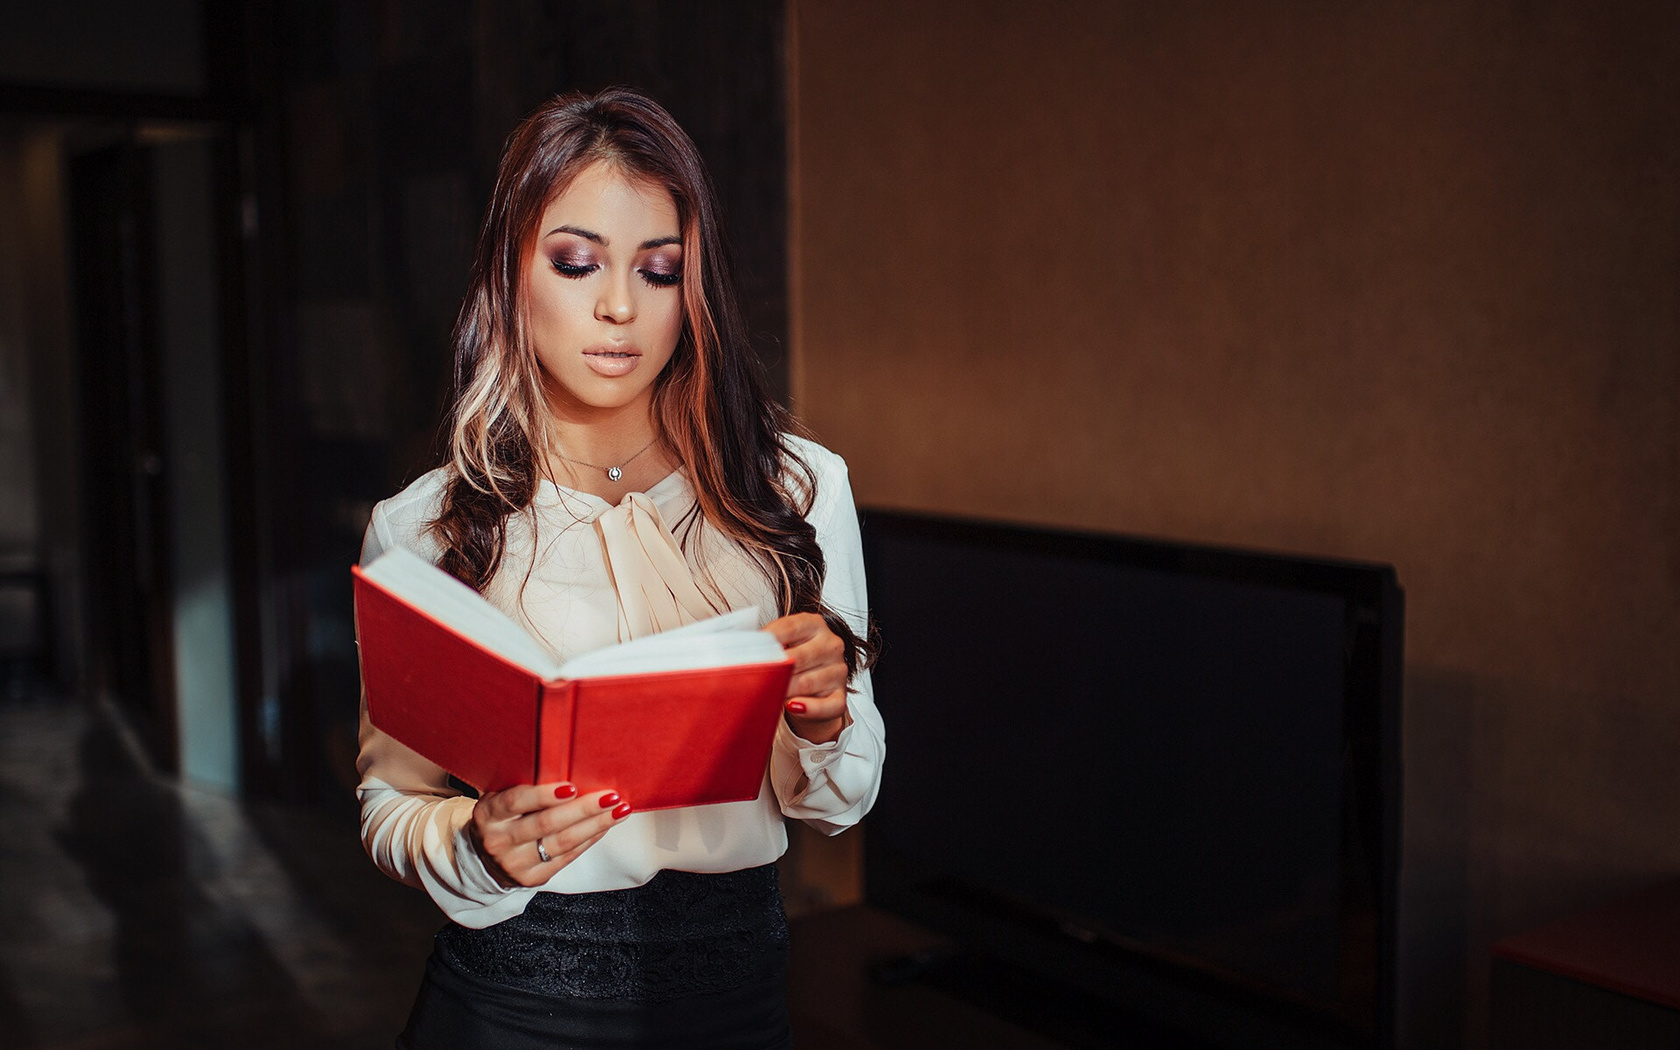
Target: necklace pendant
<point x="614" y="473"/>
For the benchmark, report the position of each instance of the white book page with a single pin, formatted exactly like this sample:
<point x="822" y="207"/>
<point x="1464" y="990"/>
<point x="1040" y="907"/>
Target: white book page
<point x="721" y="641"/>
<point x="451" y="602"/>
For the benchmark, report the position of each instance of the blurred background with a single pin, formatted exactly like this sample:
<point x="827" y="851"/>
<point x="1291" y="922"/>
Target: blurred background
<point x="1395" y="283"/>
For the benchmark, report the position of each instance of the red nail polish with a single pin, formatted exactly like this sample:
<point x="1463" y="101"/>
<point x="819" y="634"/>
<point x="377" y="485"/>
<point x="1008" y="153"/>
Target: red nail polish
<point x="796" y="707"/>
<point x="609" y="800"/>
<point x="622" y="811"/>
<point x="565" y="791"/>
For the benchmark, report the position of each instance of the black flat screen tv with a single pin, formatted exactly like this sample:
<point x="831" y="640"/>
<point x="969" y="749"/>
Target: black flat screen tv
<point x="1162" y="776"/>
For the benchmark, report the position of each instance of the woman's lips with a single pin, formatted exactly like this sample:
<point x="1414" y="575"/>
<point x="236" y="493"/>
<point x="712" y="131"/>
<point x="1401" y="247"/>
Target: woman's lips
<point x="612" y="362"/>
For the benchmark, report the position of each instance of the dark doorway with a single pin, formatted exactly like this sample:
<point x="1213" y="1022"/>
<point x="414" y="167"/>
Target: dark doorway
<point x="124" y="483"/>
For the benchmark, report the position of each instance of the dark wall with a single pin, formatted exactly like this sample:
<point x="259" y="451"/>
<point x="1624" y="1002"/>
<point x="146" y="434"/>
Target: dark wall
<point x="151" y="47"/>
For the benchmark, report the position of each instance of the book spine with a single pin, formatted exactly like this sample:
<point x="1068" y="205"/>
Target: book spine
<point x="556" y="725"/>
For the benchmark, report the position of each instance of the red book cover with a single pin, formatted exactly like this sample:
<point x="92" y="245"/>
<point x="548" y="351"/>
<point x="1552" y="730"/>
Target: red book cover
<point x="660" y="739"/>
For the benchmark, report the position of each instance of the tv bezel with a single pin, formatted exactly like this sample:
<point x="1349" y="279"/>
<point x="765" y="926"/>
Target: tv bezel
<point x="1221" y="1008"/>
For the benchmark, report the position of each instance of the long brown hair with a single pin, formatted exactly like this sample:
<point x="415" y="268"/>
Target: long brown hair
<point x="709" y="405"/>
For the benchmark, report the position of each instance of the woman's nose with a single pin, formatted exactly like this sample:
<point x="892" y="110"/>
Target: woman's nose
<point x="616" y="304"/>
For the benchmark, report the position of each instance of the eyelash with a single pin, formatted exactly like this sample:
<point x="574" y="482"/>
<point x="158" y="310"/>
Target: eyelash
<point x="652" y="277"/>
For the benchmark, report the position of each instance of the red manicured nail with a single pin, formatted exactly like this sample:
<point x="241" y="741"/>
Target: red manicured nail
<point x="796" y="706"/>
<point x="609" y="800"/>
<point x="565" y="791"/>
<point x="622" y="811"/>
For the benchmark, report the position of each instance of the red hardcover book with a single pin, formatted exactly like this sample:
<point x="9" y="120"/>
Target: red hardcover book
<point x="495" y="714"/>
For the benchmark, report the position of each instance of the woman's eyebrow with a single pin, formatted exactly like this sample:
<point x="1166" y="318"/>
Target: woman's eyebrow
<point x="591" y="235"/>
<point x="579" y="231"/>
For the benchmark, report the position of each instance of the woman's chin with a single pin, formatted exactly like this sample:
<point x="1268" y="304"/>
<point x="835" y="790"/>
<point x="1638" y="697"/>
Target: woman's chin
<point x="595" y="397"/>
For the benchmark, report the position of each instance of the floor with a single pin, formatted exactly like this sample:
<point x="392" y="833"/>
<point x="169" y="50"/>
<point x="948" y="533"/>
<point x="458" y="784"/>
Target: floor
<point x="139" y="914"/>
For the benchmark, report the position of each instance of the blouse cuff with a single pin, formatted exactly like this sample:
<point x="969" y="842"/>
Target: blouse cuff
<point x="428" y="843"/>
<point x="810" y="784"/>
<point x="474" y="898"/>
<point x="812" y="758"/>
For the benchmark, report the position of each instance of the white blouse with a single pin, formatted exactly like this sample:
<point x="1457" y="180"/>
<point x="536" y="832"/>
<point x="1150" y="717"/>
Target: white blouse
<point x="556" y="582"/>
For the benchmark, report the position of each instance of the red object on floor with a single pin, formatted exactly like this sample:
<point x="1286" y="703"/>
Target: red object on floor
<point x="1630" y="946"/>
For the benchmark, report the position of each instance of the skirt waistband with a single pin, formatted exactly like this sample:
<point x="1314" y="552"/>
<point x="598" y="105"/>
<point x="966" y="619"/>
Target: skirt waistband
<point x="681" y="934"/>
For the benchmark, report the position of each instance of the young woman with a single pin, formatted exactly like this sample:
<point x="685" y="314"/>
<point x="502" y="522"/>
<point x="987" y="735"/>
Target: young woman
<point x="616" y="470"/>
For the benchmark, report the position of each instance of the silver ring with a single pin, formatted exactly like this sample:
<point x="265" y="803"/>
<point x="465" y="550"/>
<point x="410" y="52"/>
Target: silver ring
<point x="543" y="852"/>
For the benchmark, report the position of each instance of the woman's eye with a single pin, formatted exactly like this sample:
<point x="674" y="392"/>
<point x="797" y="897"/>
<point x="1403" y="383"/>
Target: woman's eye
<point x="574" y="269"/>
<point x="660" y="278"/>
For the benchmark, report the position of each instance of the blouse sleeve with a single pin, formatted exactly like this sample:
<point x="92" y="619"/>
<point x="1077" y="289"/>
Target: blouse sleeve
<point x="831" y="786"/>
<point x="414" y="825"/>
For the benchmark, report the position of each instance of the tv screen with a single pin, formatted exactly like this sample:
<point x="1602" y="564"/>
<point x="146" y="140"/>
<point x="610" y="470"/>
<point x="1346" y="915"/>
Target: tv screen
<point x="1165" y="773"/>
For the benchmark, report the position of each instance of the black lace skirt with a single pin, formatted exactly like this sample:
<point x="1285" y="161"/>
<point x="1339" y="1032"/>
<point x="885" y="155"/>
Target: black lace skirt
<point x="688" y="960"/>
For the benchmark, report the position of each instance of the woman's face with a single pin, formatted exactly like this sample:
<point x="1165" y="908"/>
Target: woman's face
<point x="603" y="293"/>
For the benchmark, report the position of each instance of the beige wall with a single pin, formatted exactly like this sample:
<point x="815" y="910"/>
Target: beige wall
<point x="1388" y="282"/>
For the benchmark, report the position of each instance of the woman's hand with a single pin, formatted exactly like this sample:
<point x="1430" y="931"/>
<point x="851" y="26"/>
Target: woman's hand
<point x="508" y="826"/>
<point x="816" y="704"/>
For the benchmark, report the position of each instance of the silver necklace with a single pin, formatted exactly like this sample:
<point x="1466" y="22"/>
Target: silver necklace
<point x="613" y="473"/>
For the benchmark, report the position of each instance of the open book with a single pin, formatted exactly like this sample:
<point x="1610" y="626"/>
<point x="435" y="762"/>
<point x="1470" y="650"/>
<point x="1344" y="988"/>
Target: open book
<point x="681" y="718"/>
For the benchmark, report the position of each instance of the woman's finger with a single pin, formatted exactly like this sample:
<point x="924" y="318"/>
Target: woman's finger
<point x="602" y="809"/>
<point x="576" y="851"/>
<point x="795" y="628"/>
<point x="819" y="656"/>
<point x="820" y="681"/>
<point x="563" y="831"/>
<point x="817" y="719"/>
<point x="816" y="649"/>
<point x="574" y="837"/>
<point x="817" y="708"/>
<point x="525" y="798"/>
